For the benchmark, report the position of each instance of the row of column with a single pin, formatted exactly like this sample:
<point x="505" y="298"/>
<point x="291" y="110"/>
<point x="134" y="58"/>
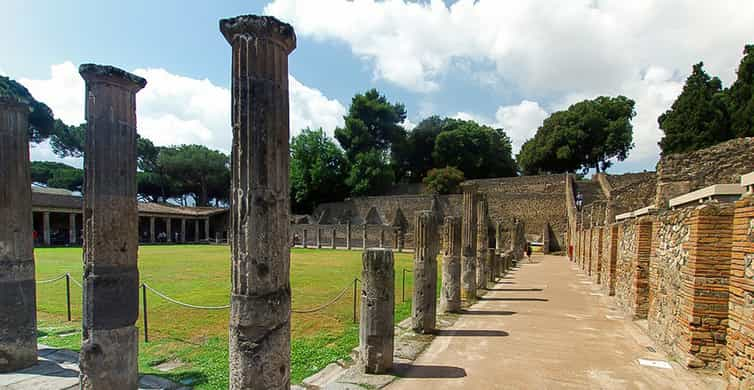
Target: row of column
<point x="182" y="236"/>
<point x="398" y="238"/>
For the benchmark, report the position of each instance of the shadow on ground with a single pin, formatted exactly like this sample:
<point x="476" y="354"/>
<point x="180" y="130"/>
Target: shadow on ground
<point x="403" y="370"/>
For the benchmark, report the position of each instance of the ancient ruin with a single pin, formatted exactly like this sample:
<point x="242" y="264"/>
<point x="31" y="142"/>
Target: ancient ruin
<point x="260" y="337"/>
<point x="450" y="294"/>
<point x="18" y="302"/>
<point x="468" y="244"/>
<point x="109" y="344"/>
<point x="424" y="303"/>
<point x="376" y="332"/>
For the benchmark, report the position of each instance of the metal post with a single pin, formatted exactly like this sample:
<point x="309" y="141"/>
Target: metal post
<point x="68" y="294"/>
<point x="144" y="307"/>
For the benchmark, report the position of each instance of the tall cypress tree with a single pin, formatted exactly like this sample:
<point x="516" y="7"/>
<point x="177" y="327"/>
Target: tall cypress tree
<point x="741" y="95"/>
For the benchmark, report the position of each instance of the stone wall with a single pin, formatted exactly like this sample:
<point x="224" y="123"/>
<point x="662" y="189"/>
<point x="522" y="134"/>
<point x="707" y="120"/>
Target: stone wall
<point x="609" y="258"/>
<point x="624" y="287"/>
<point x="740" y="337"/>
<point x="632" y="191"/>
<point x="723" y="163"/>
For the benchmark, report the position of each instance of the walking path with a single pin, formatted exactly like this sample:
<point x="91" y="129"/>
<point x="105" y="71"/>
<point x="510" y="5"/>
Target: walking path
<point x="546" y="326"/>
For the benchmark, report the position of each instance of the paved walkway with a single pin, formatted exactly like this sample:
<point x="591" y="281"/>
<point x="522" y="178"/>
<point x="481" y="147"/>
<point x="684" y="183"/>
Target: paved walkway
<point x="545" y="326"/>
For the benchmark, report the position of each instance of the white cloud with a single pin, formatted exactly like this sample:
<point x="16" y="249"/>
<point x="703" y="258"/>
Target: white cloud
<point x="174" y="109"/>
<point x="520" y="121"/>
<point x="43" y="152"/>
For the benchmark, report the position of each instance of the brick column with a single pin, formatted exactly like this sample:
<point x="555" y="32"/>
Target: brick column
<point x="108" y="358"/>
<point x="450" y="295"/>
<point x="481" y="241"/>
<point x="740" y="336"/>
<point x="260" y="330"/>
<point x="18" y="308"/>
<point x="424" y="303"/>
<point x="468" y="243"/>
<point x="641" y="268"/>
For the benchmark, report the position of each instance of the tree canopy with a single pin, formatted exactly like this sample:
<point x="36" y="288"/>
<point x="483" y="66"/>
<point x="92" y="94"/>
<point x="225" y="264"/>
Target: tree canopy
<point x="318" y="170"/>
<point x="479" y="151"/>
<point x="443" y="180"/>
<point x="741" y="96"/>
<point x="41" y="123"/>
<point x="57" y="175"/>
<point x="587" y="135"/>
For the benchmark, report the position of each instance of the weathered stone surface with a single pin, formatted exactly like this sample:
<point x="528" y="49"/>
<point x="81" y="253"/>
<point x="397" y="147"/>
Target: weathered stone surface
<point x="740" y="334"/>
<point x="424" y="303"/>
<point x="18" y="321"/>
<point x="490" y="265"/>
<point x="376" y="330"/>
<point x="482" y="217"/>
<point x="450" y="294"/>
<point x="108" y="356"/>
<point x="468" y="243"/>
<point x="261" y="294"/>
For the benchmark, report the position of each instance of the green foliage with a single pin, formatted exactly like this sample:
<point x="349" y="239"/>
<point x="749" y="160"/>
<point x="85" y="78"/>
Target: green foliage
<point x="372" y="123"/>
<point x="318" y="171"/>
<point x="741" y="95"/>
<point x="479" y="151"/>
<point x="57" y="175"/>
<point x="41" y="124"/>
<point x="699" y="116"/>
<point x="68" y="141"/>
<point x="586" y="135"/>
<point x="413" y="157"/>
<point x="370" y="174"/>
<point x="199" y="170"/>
<point x="443" y="180"/>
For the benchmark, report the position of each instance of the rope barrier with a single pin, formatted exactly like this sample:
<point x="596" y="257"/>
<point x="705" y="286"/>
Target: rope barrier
<point x="184" y="304"/>
<point x="51" y="280"/>
<point x="321" y="307"/>
<point x="77" y="283"/>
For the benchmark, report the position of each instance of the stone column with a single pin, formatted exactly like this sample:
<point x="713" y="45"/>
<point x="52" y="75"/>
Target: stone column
<point x="450" y="294"/>
<point x="18" y="306"/>
<point x="183" y="230"/>
<point x="424" y="304"/>
<point x="364" y="237"/>
<point x="169" y="229"/>
<point x="304" y="238"/>
<point x="468" y="243"/>
<point x="498" y="237"/>
<point x="151" y="229"/>
<point x="318" y="236"/>
<point x="108" y="358"/>
<point x="481" y="242"/>
<point x="376" y="328"/>
<point x="382" y="238"/>
<point x="72" y="231"/>
<point x="206" y="229"/>
<point x="348" y="235"/>
<point x="260" y="329"/>
<point x="491" y="265"/>
<point x="332" y="238"/>
<point x="46" y="228"/>
<point x="546" y="239"/>
<point x="196" y="230"/>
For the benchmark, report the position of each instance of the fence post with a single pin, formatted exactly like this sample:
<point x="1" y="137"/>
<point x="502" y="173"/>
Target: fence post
<point x="355" y="280"/>
<point x="144" y="308"/>
<point x="68" y="294"/>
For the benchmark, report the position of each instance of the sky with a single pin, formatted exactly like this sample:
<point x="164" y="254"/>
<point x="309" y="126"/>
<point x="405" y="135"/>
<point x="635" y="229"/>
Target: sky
<point x="504" y="63"/>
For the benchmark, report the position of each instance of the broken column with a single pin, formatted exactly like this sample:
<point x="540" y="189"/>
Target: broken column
<point x="468" y="243"/>
<point x="109" y="345"/>
<point x="18" y="306"/>
<point x="376" y="328"/>
<point x="450" y="294"/>
<point x="424" y="304"/>
<point x="482" y="262"/>
<point x="260" y="330"/>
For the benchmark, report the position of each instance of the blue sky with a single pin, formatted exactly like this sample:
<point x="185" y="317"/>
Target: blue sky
<point x="504" y="63"/>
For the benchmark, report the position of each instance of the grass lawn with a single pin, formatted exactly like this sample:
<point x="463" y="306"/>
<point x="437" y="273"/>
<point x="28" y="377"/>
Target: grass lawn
<point x="200" y="275"/>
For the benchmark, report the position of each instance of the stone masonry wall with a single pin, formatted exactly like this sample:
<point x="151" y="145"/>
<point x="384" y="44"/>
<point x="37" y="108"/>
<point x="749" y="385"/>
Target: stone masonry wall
<point x="624" y="290"/>
<point x="740" y="338"/>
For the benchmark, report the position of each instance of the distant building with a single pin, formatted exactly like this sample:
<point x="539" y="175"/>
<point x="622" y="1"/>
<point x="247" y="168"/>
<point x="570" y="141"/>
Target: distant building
<point x="58" y="220"/>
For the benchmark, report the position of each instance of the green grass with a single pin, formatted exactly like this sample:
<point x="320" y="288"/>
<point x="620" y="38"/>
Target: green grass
<point x="199" y="274"/>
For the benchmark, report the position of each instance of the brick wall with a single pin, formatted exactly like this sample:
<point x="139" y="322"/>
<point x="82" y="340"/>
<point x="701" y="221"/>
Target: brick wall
<point x="740" y="338"/>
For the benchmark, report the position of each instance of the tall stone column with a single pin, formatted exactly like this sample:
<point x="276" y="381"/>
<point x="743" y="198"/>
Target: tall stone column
<point x="304" y="238"/>
<point x="72" y="231"/>
<point x="376" y="328"/>
<point x="46" y="228"/>
<point x="468" y="243"/>
<point x="18" y="303"/>
<point x="424" y="304"/>
<point x="151" y="229"/>
<point x="450" y="294"/>
<point x="319" y="236"/>
<point x="183" y="230"/>
<point x="196" y="230"/>
<point x="491" y="265"/>
<point x="364" y="237"/>
<point x="348" y="235"/>
<point x="332" y="238"/>
<point x="169" y="229"/>
<point x="108" y="358"/>
<point x="482" y="262"/>
<point x="260" y="329"/>
<point x="499" y="237"/>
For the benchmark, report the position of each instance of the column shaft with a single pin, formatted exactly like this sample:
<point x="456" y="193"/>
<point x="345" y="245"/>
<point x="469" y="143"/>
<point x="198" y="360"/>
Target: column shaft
<point x="305" y="238"/>
<point x="332" y="238"/>
<point x="260" y="330"/>
<point x="348" y="235"/>
<point x="183" y="230"/>
<point x="206" y="229"/>
<point x="46" y="233"/>
<point x="18" y="309"/>
<point x="450" y="294"/>
<point x="364" y="237"/>
<point x="424" y="303"/>
<point x="468" y="243"/>
<point x="108" y="358"/>
<point x="169" y="229"/>
<point x="151" y="229"/>
<point x="376" y="328"/>
<point x="196" y="230"/>
<point x="319" y="236"/>
<point x="72" y="231"/>
<point x="482" y="260"/>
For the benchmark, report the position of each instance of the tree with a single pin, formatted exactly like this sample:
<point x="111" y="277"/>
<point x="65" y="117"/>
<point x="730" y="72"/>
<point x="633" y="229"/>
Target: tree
<point x="370" y="173"/>
<point x="741" y="95"/>
<point x="699" y="116"/>
<point x="41" y="124"/>
<point x="372" y="123"/>
<point x="57" y="175"/>
<point x="589" y="134"/>
<point x="413" y="158"/>
<point x="318" y="171"/>
<point x="479" y="151"/>
<point x="443" y="180"/>
<point x="198" y="169"/>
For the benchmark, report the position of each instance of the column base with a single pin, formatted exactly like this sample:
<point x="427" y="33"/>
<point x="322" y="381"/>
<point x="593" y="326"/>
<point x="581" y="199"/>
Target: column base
<point x="108" y="359"/>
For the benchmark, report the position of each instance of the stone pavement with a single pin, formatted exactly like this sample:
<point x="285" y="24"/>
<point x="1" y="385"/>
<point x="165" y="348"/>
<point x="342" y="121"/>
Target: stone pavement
<point x="546" y="326"/>
<point x="58" y="369"/>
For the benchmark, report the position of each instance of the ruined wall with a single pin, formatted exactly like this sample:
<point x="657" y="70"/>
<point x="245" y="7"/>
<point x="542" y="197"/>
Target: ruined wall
<point x="609" y="258"/>
<point x="740" y="337"/>
<point x="678" y="174"/>
<point x="632" y="191"/>
<point x="626" y="270"/>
